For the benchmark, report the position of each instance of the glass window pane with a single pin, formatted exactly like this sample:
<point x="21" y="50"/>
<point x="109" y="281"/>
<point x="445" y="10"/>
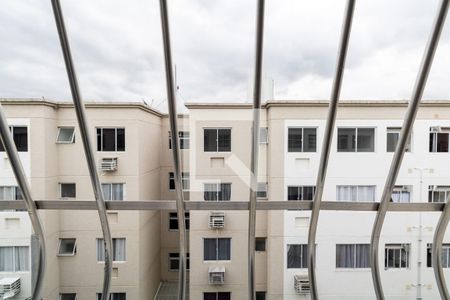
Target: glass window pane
<point x="210" y="191"/>
<point x="346" y="139"/>
<point x="66" y="246"/>
<point x="442" y="142"/>
<point x="106" y="188"/>
<point x="210" y="249"/>
<point x="68" y="190"/>
<point x="66" y="135"/>
<point x="20" y="137"/>
<point x="295" y="139"/>
<point x="224" y="193"/>
<point x="391" y="141"/>
<point x="109" y="139"/>
<point x="22" y="257"/>
<point x="68" y="296"/>
<point x="293" y="193"/>
<point x="117" y="191"/>
<point x="224" y="249"/>
<point x="224" y="140"/>
<point x="120" y="139"/>
<point x="366" y="140"/>
<point x="223" y="296"/>
<point x="310" y="140"/>
<point x="260" y="244"/>
<point x="210" y="140"/>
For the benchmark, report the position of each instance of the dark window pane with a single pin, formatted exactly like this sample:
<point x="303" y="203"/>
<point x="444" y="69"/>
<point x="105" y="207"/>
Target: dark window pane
<point x="260" y="295"/>
<point x="68" y="190"/>
<point x="346" y="139"/>
<point x="295" y="140"/>
<point x="120" y="139"/>
<point x="293" y="193"/>
<point x="99" y="139"/>
<point x="68" y="296"/>
<point x="224" y="249"/>
<point x="429" y="261"/>
<point x="366" y="140"/>
<point x="308" y="193"/>
<point x="310" y="137"/>
<point x="210" y="140"/>
<point x="297" y="256"/>
<point x="225" y="192"/>
<point x="21" y="138"/>
<point x="109" y="139"/>
<point x="260" y="244"/>
<point x="224" y="140"/>
<point x="209" y="296"/>
<point x="442" y="142"/>
<point x="210" y="249"/>
<point x="223" y="296"/>
<point x="391" y="141"/>
<point x="171" y="181"/>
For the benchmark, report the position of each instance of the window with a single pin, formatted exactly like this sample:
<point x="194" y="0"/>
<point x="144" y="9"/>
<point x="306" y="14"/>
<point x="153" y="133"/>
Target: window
<point x="173" y="221"/>
<point x="356" y="139"/>
<point x="68" y="296"/>
<point x="260" y="295"/>
<point x="14" y="259"/>
<point x="185" y="180"/>
<point x="174" y="261"/>
<point x="67" y="247"/>
<point x="438" y="193"/>
<point x="217" y="191"/>
<point x="184" y="138"/>
<point x="352" y="256"/>
<point x="355" y="193"/>
<point x="260" y="244"/>
<point x="396" y="256"/>
<point x="112" y="191"/>
<point x="392" y="137"/>
<point x="301" y="193"/>
<point x="217" y="249"/>
<point x="20" y="137"/>
<point x="297" y="256"/>
<point x="439" y="139"/>
<point x="445" y="256"/>
<point x="401" y="194"/>
<point x="217" y="296"/>
<point x="263" y="135"/>
<point x="217" y="140"/>
<point x="119" y="248"/>
<point x="68" y="190"/>
<point x="114" y="296"/>
<point x="66" y="135"/>
<point x="110" y="139"/>
<point x="302" y="139"/>
<point x="9" y="193"/>
<point x="262" y="190"/>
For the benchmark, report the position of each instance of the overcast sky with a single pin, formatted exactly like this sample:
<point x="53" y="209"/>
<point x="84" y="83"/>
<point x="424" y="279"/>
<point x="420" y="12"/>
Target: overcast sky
<point x="117" y="47"/>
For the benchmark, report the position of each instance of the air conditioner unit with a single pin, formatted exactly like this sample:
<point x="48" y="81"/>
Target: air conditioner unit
<point x="9" y="287"/>
<point x="301" y="284"/>
<point x="216" y="275"/>
<point x="216" y="220"/>
<point x="435" y="129"/>
<point x="108" y="164"/>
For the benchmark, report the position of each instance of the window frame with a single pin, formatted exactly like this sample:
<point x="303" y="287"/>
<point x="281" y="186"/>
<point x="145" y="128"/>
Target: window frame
<point x="396" y="131"/>
<point x="302" y="188"/>
<point x="113" y="250"/>
<point x="100" y="147"/>
<point x="217" y="249"/>
<point x="264" y="240"/>
<point x="67" y="294"/>
<point x="217" y="139"/>
<point x="403" y="189"/>
<point x="15" y="270"/>
<point x="357" y="128"/>
<point x="111" y="295"/>
<point x="72" y="140"/>
<point x="445" y="248"/>
<point x="434" y="189"/>
<point x="265" y="190"/>
<point x="397" y="247"/>
<point x="177" y="258"/>
<point x="435" y="131"/>
<point x="185" y="181"/>
<point x="111" y="190"/>
<point x="184" y="140"/>
<point x="302" y="139"/>
<point x="216" y="294"/>
<point x="264" y="132"/>
<point x="303" y="253"/>
<point x="355" y="256"/>
<point x="358" y="186"/>
<point x="74" y="250"/>
<point x="173" y="216"/>
<point x="217" y="191"/>
<point x="11" y="129"/>
<point x="60" y="190"/>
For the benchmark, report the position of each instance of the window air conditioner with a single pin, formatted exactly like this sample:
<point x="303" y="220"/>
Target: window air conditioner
<point x="108" y="164"/>
<point x="301" y="284"/>
<point x="216" y="275"/>
<point x="9" y="287"/>
<point x="216" y="220"/>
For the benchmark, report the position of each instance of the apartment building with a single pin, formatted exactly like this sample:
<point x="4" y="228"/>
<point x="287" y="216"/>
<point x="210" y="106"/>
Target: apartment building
<point x="135" y="163"/>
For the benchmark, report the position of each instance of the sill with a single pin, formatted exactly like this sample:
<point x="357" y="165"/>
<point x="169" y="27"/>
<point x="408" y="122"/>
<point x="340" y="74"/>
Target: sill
<point x="352" y="270"/>
<point x="65" y="255"/>
<point x="397" y="269"/>
<point x="65" y="143"/>
<point x="114" y="262"/>
<point x="187" y="270"/>
<point x="175" y="230"/>
<point x="216" y="261"/>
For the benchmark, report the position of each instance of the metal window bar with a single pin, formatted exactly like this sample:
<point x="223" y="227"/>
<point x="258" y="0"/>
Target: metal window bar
<point x="171" y="102"/>
<point x="408" y="122"/>
<point x="30" y="205"/>
<point x="255" y="147"/>
<point x="326" y="146"/>
<point x="88" y="150"/>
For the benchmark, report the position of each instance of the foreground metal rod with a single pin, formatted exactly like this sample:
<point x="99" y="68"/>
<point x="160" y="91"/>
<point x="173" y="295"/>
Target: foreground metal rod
<point x="171" y="101"/>
<point x="255" y="147"/>
<point x="326" y="146"/>
<point x="401" y="146"/>
<point x="90" y="158"/>
<point x="22" y="181"/>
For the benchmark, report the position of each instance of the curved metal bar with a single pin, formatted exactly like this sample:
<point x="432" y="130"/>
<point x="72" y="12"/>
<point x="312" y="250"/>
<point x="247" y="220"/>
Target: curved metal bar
<point x="171" y="102"/>
<point x="326" y="145"/>
<point x="22" y="181"/>
<point x="88" y="150"/>
<point x="408" y="123"/>
<point x="255" y="147"/>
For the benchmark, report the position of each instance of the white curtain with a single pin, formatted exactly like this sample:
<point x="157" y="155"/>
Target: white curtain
<point x="6" y="193"/>
<point x="117" y="191"/>
<point x="100" y="250"/>
<point x="225" y="192"/>
<point x="6" y="259"/>
<point x="362" y="252"/>
<point x="366" y="193"/>
<point x="210" y="192"/>
<point x="22" y="258"/>
<point x="345" y="256"/>
<point x="346" y="193"/>
<point x="119" y="249"/>
<point x="106" y="187"/>
<point x="401" y="196"/>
